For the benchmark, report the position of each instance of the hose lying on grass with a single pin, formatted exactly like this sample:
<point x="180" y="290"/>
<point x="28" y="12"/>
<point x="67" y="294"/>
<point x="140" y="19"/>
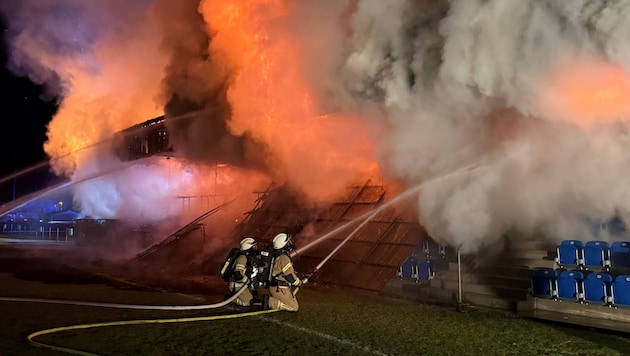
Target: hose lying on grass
<point x="32" y="336"/>
<point x="129" y="306"/>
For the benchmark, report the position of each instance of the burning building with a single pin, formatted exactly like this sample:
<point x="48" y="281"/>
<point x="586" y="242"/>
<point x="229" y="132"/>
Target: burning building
<point x="500" y="116"/>
<point x="142" y="140"/>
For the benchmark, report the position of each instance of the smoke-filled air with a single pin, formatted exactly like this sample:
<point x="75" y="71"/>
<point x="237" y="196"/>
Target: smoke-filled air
<point x="513" y="114"/>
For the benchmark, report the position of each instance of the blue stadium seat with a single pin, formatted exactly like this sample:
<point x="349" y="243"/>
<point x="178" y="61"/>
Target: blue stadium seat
<point x="426" y="270"/>
<point x="570" y="253"/>
<point x="409" y="268"/>
<point x="433" y="249"/>
<point x="620" y="288"/>
<point x="426" y="248"/>
<point x="597" y="288"/>
<point x="569" y="284"/>
<point x="620" y="254"/>
<point x="543" y="283"/>
<point x="597" y="255"/>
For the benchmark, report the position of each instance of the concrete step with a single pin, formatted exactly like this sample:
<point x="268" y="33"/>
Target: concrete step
<point x="512" y="281"/>
<point x="489" y="301"/>
<point x="439" y="294"/>
<point x="512" y="270"/>
<point x="490" y="290"/>
<point x="593" y="315"/>
<point x="520" y="244"/>
<point x="476" y="299"/>
<point x="401" y="289"/>
<point x="526" y="254"/>
<point x="531" y="263"/>
<point x="581" y="320"/>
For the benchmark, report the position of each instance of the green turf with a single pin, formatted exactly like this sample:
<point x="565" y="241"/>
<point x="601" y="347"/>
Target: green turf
<point x="329" y="323"/>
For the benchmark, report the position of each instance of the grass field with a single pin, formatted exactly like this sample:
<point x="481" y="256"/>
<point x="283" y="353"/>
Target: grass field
<point x="329" y="322"/>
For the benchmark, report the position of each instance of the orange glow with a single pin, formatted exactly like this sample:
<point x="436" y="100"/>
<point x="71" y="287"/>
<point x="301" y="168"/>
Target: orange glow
<point x="105" y="92"/>
<point x="272" y="103"/>
<point x="588" y="92"/>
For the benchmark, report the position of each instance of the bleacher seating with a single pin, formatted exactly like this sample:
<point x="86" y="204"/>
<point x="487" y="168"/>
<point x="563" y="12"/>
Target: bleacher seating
<point x="570" y="254"/>
<point x="596" y="255"/>
<point x="543" y="283"/>
<point x="433" y="249"/>
<point x="569" y="285"/>
<point x="600" y="273"/>
<point x="620" y="290"/>
<point x="597" y="288"/>
<point x="620" y="254"/>
<point x="426" y="270"/>
<point x="417" y="269"/>
<point x="409" y="268"/>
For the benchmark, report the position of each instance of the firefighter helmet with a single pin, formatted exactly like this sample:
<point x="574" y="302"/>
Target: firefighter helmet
<point x="247" y="243"/>
<point x="280" y="241"/>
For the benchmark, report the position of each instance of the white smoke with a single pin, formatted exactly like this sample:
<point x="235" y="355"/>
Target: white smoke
<point x="479" y="69"/>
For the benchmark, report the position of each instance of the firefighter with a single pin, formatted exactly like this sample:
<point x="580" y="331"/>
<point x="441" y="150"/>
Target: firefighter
<point x="283" y="277"/>
<point x="244" y="272"/>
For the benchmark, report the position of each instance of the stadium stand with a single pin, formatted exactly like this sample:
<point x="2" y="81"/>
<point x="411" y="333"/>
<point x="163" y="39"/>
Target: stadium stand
<point x="569" y="285"/>
<point x="426" y="270"/>
<point x="597" y="288"/>
<point x="433" y="249"/>
<point x="570" y="253"/>
<point x="424" y="262"/>
<point x="409" y="268"/>
<point x="596" y="255"/>
<point x="543" y="283"/>
<point x="600" y="273"/>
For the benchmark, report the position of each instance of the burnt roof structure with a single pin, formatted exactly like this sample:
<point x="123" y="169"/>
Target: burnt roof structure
<point x="375" y="240"/>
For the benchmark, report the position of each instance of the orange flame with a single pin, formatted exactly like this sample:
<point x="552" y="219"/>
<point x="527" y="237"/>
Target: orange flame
<point x="589" y="91"/>
<point x="105" y="92"/>
<point x="272" y="102"/>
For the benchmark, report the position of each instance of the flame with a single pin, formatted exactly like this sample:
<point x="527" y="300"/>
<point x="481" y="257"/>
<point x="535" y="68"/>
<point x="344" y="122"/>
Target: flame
<point x="589" y="91"/>
<point x="272" y="103"/>
<point x="306" y="145"/>
<point x="105" y="92"/>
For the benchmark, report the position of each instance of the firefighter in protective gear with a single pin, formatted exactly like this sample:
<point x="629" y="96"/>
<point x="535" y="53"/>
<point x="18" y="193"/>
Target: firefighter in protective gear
<point x="244" y="272"/>
<point x="283" y="277"/>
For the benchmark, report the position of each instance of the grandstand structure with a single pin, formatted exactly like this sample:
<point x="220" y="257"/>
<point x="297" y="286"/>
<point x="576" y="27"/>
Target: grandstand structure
<point x="588" y="285"/>
<point x="582" y="283"/>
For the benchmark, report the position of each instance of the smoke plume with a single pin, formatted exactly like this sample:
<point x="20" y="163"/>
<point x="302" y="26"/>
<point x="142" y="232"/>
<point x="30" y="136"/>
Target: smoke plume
<point x="531" y="95"/>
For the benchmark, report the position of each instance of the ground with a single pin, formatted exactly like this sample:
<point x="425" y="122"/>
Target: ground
<point x="56" y="265"/>
<point x="329" y="322"/>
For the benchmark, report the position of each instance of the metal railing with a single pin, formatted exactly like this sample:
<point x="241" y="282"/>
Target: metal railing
<point x="38" y="231"/>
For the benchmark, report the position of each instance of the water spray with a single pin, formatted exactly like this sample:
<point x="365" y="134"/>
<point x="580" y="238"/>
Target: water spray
<point x="366" y="217"/>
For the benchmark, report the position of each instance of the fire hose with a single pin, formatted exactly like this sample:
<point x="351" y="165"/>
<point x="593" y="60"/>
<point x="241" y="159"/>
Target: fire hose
<point x="31" y="336"/>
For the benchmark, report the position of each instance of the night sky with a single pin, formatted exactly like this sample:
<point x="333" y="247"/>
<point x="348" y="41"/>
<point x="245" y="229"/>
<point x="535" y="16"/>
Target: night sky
<point x="24" y="116"/>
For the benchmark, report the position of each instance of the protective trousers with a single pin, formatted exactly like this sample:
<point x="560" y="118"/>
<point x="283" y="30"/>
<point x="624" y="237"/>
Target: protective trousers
<point x="281" y="297"/>
<point x="245" y="298"/>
